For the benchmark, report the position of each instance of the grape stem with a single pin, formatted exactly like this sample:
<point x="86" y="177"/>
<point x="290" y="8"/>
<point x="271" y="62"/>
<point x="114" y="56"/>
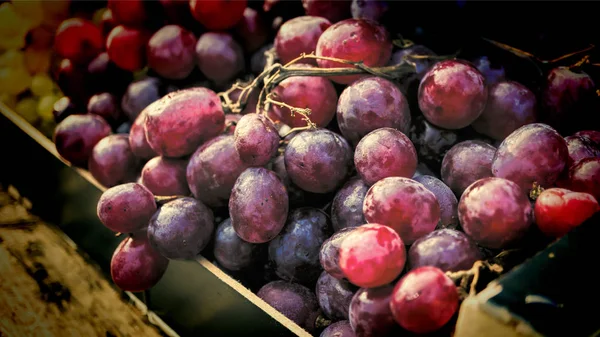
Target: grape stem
<point x="161" y="200"/>
<point x="322" y="322"/>
<point x="535" y="191"/>
<point x="475" y="271"/>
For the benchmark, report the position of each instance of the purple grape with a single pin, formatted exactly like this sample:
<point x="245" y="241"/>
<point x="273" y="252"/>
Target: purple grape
<point x="137" y="138"/>
<point x="510" y="105"/>
<point x="294" y="301"/>
<point x="369" y="9"/>
<point x="124" y="128"/>
<point x="258" y="59"/>
<point x="299" y="35"/>
<point x="258" y="206"/>
<point x="213" y="169"/>
<point x="230" y="251"/>
<point x="76" y="136"/>
<point x="423" y="170"/>
<point x="492" y="74"/>
<point x="171" y="52"/>
<point x="126" y="208"/>
<point x="447" y="249"/>
<point x="329" y="254"/>
<point x="422" y="65"/>
<point x="296" y="195"/>
<point x="338" y="329"/>
<point x="431" y="142"/>
<point x="318" y="161"/>
<point x="334" y="296"/>
<point x="333" y="11"/>
<point x="383" y="153"/>
<point x="139" y="95"/>
<point x="495" y="212"/>
<point x="532" y="153"/>
<point x="347" y="205"/>
<point x="465" y="163"/>
<point x="295" y="252"/>
<point x="219" y="57"/>
<point x="446" y="199"/>
<point x="256" y="139"/>
<point x="105" y="76"/>
<point x="181" y="228"/>
<point x="105" y="105"/>
<point x="370" y="313"/>
<point x="165" y="176"/>
<point x="581" y="147"/>
<point x="369" y="104"/>
<point x="112" y="162"/>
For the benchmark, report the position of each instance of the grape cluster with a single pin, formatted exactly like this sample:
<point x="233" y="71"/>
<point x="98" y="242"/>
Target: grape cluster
<point x="355" y="173"/>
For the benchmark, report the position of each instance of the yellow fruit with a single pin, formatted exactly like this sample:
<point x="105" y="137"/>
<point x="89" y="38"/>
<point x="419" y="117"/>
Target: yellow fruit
<point x="8" y="100"/>
<point x="46" y="106"/>
<point x="12" y="58"/>
<point x="27" y="108"/>
<point x="37" y="61"/>
<point x="14" y="80"/>
<point x="30" y="10"/>
<point x="41" y="84"/>
<point x="13" y="28"/>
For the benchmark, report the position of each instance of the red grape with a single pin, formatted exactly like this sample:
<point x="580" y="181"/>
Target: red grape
<point x="313" y="92"/>
<point x="424" y="300"/>
<point x="105" y="76"/>
<point x="126" y="208"/>
<point x="105" y="105"/>
<point x="137" y="138"/>
<point x="213" y="170"/>
<point x="338" y="329"/>
<point x="72" y="81"/>
<point x="593" y="136"/>
<point x="218" y="14"/>
<point x="230" y="251"/>
<point x="178" y="12"/>
<point x="318" y="160"/>
<point x="372" y="255"/>
<point x="495" y="212"/>
<point x="231" y="121"/>
<point x="130" y="13"/>
<point x="126" y="47"/>
<point x="294" y="301"/>
<point x="369" y="9"/>
<point x="332" y="10"/>
<point x="181" y="228"/>
<point x="446" y="199"/>
<point x="347" y="205"/>
<point x="258" y="205"/>
<point x="299" y="35"/>
<point x="112" y="162"/>
<point x="252" y="30"/>
<point x="76" y="136"/>
<point x="383" y="153"/>
<point x="465" y="163"/>
<point x="180" y="121"/>
<point x="585" y="177"/>
<point x="510" y="105"/>
<point x="558" y="210"/>
<point x="369" y="104"/>
<point x="136" y="266"/>
<point x="492" y="74"/>
<point x="165" y="176"/>
<point x="447" y="249"/>
<point x="171" y="52"/>
<point x="334" y="296"/>
<point x="78" y="40"/>
<point x="370" y="313"/>
<point x="329" y="254"/>
<point x="452" y="94"/>
<point x="581" y="147"/>
<point x="404" y="205"/>
<point x="256" y="139"/>
<point x="432" y="143"/>
<point x="532" y="153"/>
<point x="219" y="56"/>
<point x="354" y="40"/>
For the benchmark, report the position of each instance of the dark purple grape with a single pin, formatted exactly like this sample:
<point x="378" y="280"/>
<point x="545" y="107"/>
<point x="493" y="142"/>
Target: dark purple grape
<point x="76" y="136"/>
<point x="258" y="59"/>
<point x="252" y="30"/>
<point x="491" y="73"/>
<point x="383" y="153"/>
<point x="532" y="153"/>
<point x="126" y="208"/>
<point x="370" y="313"/>
<point x="369" y="9"/>
<point x="510" y="105"/>
<point x="318" y="160"/>
<point x="105" y="76"/>
<point x="495" y="212"/>
<point x="171" y="52"/>
<point x="137" y="138"/>
<point x="446" y="199"/>
<point x="338" y="329"/>
<point x="447" y="249"/>
<point x="181" y="228"/>
<point x="465" y="163"/>
<point x="347" y="205"/>
<point x="422" y="65"/>
<point x="334" y="296"/>
<point x="256" y="139"/>
<point x="581" y="147"/>
<point x="369" y="104"/>
<point x="124" y="128"/>
<point x="295" y="252"/>
<point x="431" y="142"/>
<point x="423" y="170"/>
<point x="213" y="170"/>
<point x="294" y="301"/>
<point x="333" y="11"/>
<point x="258" y="206"/>
<point x="230" y="251"/>
<point x="105" y="105"/>
<point x="329" y="254"/>
<point x="112" y="162"/>
<point x="139" y="95"/>
<point x="165" y="176"/>
<point x="219" y="57"/>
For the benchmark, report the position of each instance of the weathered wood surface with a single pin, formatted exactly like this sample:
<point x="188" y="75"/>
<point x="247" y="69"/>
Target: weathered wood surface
<point x="48" y="288"/>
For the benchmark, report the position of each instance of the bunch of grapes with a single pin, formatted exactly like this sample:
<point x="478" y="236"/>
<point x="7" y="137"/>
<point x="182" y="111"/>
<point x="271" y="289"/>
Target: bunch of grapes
<point x="364" y="178"/>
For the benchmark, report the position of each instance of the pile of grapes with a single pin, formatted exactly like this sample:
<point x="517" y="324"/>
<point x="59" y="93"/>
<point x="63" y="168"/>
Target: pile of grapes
<point x="359" y="183"/>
